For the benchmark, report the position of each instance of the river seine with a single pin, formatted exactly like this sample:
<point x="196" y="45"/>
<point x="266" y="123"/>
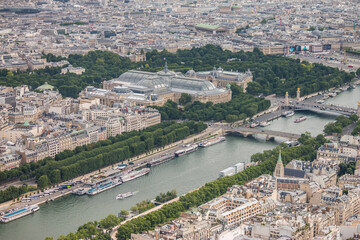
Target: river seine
<point x="185" y="173"/>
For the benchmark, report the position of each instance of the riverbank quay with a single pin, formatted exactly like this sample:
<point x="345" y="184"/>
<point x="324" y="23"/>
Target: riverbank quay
<point x="137" y="162"/>
<point x="114" y="229"/>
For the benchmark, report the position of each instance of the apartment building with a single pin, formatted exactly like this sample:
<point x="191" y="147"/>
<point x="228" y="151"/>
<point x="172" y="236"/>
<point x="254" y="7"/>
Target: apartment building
<point x="333" y="151"/>
<point x="80" y="138"/>
<point x="231" y="211"/>
<point x="346" y="206"/>
<point x="12" y="133"/>
<point x="9" y="160"/>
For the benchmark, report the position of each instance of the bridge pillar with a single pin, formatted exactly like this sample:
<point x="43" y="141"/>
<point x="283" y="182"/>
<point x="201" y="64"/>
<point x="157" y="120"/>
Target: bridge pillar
<point x="269" y="138"/>
<point x="298" y="94"/>
<point x="358" y="110"/>
<point x="246" y="134"/>
<point x="286" y="99"/>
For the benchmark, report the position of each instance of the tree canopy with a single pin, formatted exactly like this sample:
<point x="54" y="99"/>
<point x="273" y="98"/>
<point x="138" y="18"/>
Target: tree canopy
<point x="241" y="106"/>
<point x="272" y="74"/>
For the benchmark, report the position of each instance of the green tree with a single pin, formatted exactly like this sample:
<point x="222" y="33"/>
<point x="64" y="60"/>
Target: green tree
<point x="55" y="176"/>
<point x="109" y="222"/>
<point x="62" y="237"/>
<point x="43" y="182"/>
<point x="354" y="118"/>
<point x="123" y="212"/>
<point x="185" y="98"/>
<point x="311" y="28"/>
<point x="231" y="118"/>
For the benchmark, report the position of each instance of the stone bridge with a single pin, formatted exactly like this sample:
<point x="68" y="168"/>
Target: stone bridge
<point x="269" y="134"/>
<point x="323" y="109"/>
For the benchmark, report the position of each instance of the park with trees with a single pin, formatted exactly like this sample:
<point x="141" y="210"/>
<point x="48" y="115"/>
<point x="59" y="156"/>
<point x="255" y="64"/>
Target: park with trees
<point x="272" y="74"/>
<point x="340" y="123"/>
<point x="241" y="106"/>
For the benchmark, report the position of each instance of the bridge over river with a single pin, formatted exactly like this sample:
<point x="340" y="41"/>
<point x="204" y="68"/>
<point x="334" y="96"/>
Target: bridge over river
<point x="269" y="134"/>
<point x="322" y="108"/>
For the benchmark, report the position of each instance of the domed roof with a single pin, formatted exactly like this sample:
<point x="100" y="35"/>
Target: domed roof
<point x="121" y="90"/>
<point x="133" y="76"/>
<point x="152" y="82"/>
<point x="192" y="84"/>
<point x="45" y="86"/>
<point x="190" y="73"/>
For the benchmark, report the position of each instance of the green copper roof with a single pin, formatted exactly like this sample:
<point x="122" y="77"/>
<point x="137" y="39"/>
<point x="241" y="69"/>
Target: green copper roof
<point x="207" y="26"/>
<point x="45" y="86"/>
<point x="26" y="123"/>
<point x="77" y="132"/>
<point x="279" y="159"/>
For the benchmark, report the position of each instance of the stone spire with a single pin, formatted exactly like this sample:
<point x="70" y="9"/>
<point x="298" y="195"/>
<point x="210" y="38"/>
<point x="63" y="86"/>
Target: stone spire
<point x="279" y="158"/>
<point x="279" y="169"/>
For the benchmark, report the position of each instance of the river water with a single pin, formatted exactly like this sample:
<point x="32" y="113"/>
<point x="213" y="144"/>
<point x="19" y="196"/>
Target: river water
<point x="185" y="173"/>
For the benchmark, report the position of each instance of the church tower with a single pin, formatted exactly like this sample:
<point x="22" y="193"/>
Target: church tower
<point x="279" y="169"/>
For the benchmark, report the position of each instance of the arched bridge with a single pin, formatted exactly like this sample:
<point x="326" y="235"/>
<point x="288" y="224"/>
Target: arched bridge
<point x="269" y="134"/>
<point x="323" y="109"/>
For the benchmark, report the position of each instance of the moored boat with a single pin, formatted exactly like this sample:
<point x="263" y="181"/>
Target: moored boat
<point x="288" y="113"/>
<point x="326" y="96"/>
<point x="14" y="214"/>
<point x="333" y="94"/>
<point x="134" y="174"/>
<point x="254" y="124"/>
<point x="264" y="124"/>
<point x="80" y="191"/>
<point x="98" y="188"/>
<point x="189" y="148"/>
<point x="161" y="159"/>
<point x="211" y="141"/>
